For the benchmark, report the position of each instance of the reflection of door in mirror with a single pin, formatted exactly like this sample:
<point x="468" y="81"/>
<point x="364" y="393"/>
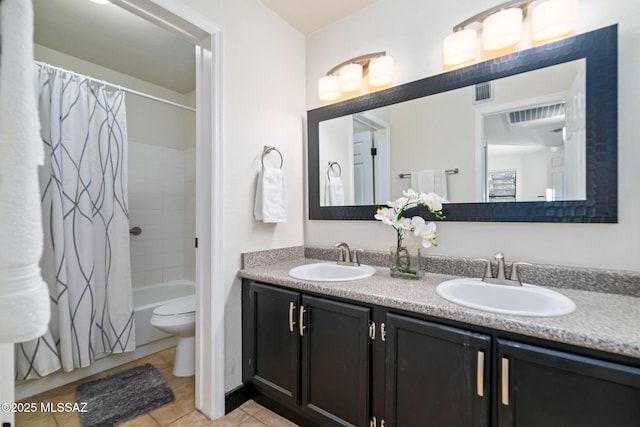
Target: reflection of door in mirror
<point x="541" y="138"/>
<point x="370" y="158"/>
<point x="359" y="144"/>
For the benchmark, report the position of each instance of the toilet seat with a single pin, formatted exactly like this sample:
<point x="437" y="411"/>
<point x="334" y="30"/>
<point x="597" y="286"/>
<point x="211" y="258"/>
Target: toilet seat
<point x="181" y="306"/>
<point x="177" y="317"/>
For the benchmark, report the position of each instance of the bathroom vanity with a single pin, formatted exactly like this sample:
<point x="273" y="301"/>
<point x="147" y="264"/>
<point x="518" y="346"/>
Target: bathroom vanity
<point x="385" y="351"/>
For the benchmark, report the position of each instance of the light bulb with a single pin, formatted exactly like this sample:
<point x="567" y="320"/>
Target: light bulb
<point x="350" y="77"/>
<point x="459" y="47"/>
<point x="380" y="71"/>
<point x="329" y="88"/>
<point x="502" y="29"/>
<point x="553" y="19"/>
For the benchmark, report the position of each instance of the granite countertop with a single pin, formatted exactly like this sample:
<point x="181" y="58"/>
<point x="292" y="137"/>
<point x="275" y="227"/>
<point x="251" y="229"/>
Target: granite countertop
<point x="602" y="321"/>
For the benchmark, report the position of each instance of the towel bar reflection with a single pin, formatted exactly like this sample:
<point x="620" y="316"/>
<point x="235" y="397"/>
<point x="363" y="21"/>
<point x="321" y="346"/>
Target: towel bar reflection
<point x="448" y="172"/>
<point x="267" y="150"/>
<point x="330" y="169"/>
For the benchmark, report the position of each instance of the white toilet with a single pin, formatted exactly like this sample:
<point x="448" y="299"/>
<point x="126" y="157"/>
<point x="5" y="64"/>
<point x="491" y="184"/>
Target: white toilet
<point x="179" y="318"/>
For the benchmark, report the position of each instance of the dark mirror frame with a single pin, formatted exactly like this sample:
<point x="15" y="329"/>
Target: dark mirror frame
<point x="599" y="47"/>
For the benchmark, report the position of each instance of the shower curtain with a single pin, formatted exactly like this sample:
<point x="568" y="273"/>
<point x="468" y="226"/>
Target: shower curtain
<point x="84" y="203"/>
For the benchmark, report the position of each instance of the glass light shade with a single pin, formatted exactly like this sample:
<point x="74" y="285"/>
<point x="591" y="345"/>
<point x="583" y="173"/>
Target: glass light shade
<point x="459" y="47"/>
<point x="380" y="71"/>
<point x="502" y="29"/>
<point x="553" y="19"/>
<point x="329" y="88"/>
<point x="350" y="77"/>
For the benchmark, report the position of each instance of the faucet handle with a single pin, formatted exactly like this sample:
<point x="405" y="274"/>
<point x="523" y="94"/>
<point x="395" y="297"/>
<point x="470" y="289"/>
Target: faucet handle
<point x="515" y="276"/>
<point x="488" y="274"/>
<point x="355" y="257"/>
<point x="499" y="257"/>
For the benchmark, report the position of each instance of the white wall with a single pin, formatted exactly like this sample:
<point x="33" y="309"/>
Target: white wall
<point x="412" y="31"/>
<point x="263" y="104"/>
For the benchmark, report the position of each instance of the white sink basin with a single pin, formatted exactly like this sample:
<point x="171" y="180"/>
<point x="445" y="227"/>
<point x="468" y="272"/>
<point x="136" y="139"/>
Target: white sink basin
<point x="331" y="272"/>
<point x="525" y="300"/>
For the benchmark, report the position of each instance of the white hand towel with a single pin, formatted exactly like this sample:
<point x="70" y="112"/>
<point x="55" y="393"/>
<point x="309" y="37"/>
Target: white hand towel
<point x="334" y="192"/>
<point x="271" y="196"/>
<point x="24" y="296"/>
<point x="430" y="181"/>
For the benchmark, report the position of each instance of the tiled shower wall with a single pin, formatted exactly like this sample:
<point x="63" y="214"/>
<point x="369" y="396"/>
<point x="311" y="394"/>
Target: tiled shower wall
<point x="161" y="191"/>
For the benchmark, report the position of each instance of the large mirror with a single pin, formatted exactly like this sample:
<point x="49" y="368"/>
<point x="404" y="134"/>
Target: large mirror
<point x="527" y="137"/>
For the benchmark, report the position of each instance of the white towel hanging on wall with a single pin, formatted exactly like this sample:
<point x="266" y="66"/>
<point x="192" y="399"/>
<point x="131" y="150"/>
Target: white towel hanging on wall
<point x="271" y="196"/>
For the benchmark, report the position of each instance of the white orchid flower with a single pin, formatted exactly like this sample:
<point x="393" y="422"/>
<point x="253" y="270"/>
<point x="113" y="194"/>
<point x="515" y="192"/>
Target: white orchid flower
<point x="398" y="204"/>
<point x="387" y="216"/>
<point x="405" y="227"/>
<point x="411" y="194"/>
<point x="426" y="231"/>
<point x="432" y="200"/>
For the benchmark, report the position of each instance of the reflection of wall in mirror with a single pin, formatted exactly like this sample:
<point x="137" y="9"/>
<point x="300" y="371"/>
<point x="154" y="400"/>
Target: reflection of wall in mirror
<point x="335" y="136"/>
<point x="435" y="132"/>
<point x="532" y="146"/>
<point x="530" y="168"/>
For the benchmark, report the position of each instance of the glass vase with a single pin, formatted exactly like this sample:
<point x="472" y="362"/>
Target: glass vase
<point x="406" y="262"/>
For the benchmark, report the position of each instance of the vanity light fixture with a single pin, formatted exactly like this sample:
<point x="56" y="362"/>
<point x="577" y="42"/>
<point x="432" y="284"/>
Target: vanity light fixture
<point x="502" y="27"/>
<point x="347" y="76"/>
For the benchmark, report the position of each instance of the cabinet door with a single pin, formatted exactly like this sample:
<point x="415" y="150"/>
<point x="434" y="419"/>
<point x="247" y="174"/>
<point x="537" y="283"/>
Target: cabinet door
<point x="435" y="375"/>
<point x="335" y="362"/>
<point x="272" y="341"/>
<point x="542" y="387"/>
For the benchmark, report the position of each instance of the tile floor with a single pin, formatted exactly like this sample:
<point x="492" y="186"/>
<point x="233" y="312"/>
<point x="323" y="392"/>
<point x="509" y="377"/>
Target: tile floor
<point x="178" y="413"/>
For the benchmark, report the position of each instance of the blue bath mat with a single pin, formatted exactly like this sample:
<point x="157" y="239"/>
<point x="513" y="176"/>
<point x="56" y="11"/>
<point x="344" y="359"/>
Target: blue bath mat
<point x="117" y="398"/>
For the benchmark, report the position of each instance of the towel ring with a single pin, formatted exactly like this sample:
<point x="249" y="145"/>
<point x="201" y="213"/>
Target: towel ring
<point x="267" y="150"/>
<point x="330" y="168"/>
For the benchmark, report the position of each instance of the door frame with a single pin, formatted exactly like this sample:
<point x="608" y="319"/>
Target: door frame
<point x="207" y="37"/>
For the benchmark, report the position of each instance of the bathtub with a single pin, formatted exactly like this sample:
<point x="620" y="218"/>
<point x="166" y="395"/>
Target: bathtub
<point x="148" y="297"/>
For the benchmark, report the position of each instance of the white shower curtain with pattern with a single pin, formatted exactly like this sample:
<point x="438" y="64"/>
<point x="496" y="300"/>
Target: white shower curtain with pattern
<point x="84" y="203"/>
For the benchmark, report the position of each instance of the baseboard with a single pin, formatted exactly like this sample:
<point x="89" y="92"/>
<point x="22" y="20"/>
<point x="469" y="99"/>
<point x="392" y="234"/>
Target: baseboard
<point x="236" y="397"/>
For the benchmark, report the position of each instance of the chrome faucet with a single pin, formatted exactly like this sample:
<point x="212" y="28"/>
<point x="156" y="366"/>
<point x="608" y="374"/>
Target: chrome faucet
<point x="345" y="255"/>
<point x="501" y="278"/>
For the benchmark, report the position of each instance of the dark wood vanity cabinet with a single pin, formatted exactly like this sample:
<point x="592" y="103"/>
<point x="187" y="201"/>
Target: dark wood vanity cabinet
<point x="320" y="359"/>
<point x="544" y="387"/>
<point x="435" y="375"/>
<point x="271" y="344"/>
<point x="310" y="354"/>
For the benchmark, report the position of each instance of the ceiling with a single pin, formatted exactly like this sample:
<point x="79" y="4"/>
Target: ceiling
<point x="114" y="38"/>
<point x="308" y="16"/>
<point x="109" y="36"/>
